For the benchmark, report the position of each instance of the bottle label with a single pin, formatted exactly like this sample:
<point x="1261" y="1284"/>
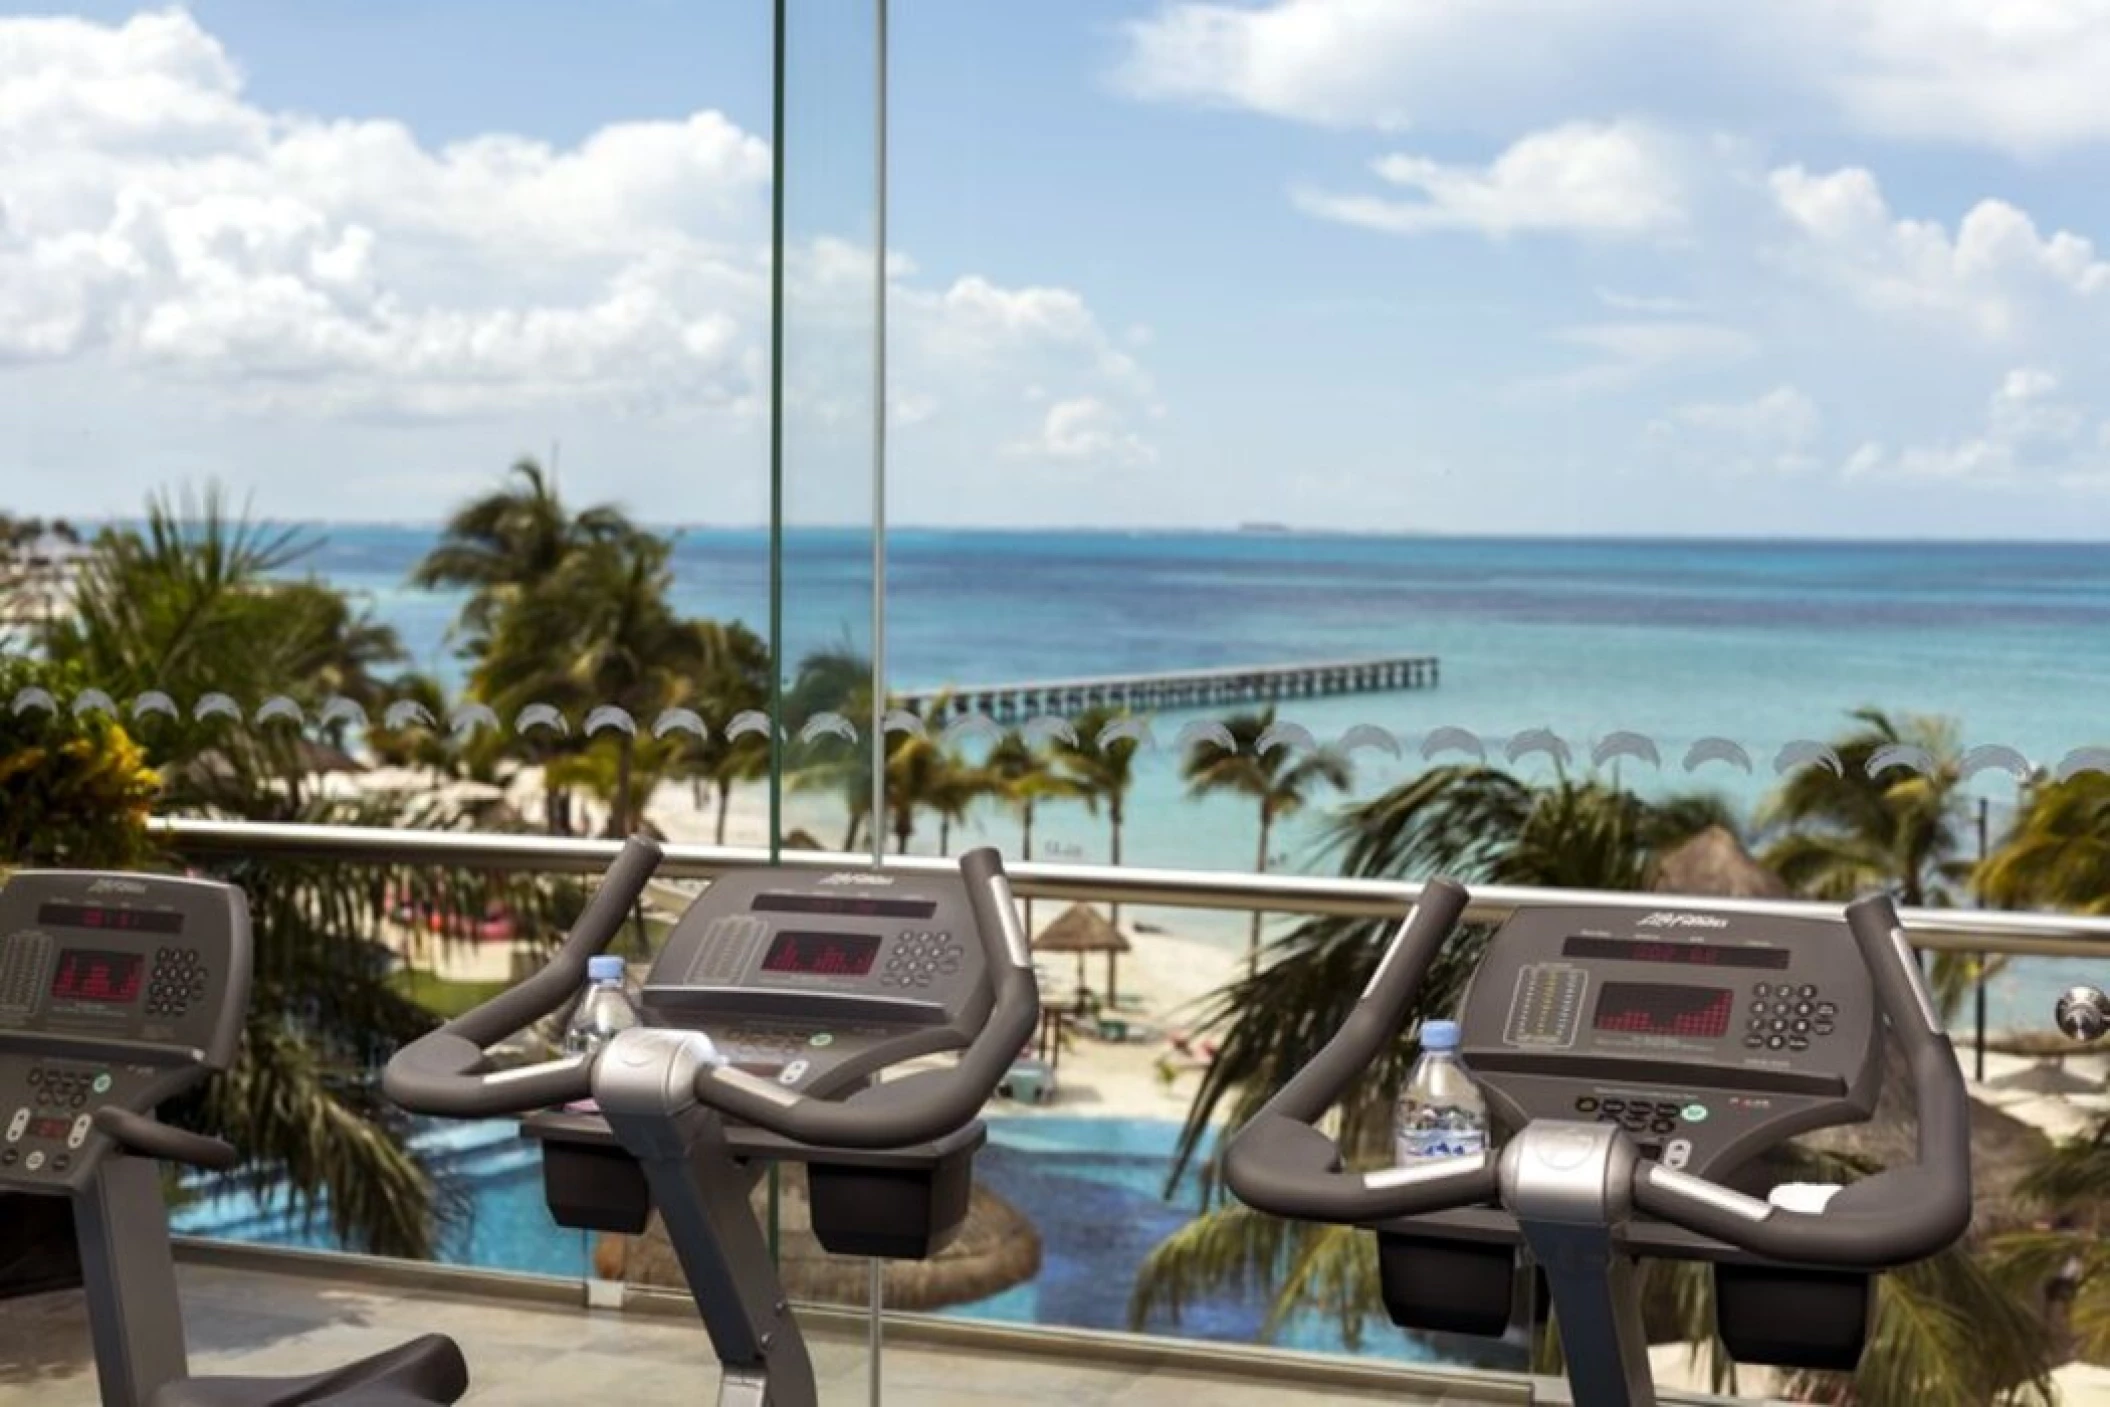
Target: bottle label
<point x="1416" y="1144"/>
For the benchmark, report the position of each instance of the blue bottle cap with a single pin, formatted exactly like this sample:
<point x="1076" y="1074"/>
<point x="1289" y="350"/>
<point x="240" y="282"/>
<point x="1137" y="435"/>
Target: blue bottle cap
<point x="605" y="968"/>
<point x="1439" y="1035"/>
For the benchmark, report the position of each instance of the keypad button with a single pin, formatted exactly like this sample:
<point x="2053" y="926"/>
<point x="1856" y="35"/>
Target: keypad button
<point x="1823" y="1028"/>
<point x="1760" y="989"/>
<point x="8" y="1157"/>
<point x="1798" y="1043"/>
<point x="1663" y="1126"/>
<point x="1586" y="1104"/>
<point x="1800" y="1027"/>
<point x="1775" y="1042"/>
<point x="1780" y="1008"/>
<point x="1754" y="1042"/>
<point x="1803" y="1008"/>
<point x="1827" y="1010"/>
<point x="1777" y="1024"/>
<point x="1612" y="1106"/>
<point x="1806" y="991"/>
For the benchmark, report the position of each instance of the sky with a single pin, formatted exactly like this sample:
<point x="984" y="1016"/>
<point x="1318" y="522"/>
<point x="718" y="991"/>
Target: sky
<point x="1638" y="267"/>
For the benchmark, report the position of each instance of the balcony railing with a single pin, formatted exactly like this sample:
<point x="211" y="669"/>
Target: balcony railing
<point x="1950" y="930"/>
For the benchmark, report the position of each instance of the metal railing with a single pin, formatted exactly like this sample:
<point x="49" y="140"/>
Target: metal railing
<point x="1985" y="931"/>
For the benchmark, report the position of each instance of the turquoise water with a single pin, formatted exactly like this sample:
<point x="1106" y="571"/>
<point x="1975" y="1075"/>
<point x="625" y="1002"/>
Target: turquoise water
<point x="1092" y="1187"/>
<point x="1759" y="642"/>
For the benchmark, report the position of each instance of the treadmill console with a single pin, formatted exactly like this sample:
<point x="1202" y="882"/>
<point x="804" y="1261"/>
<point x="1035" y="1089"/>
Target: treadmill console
<point x="818" y="980"/>
<point x="114" y="989"/>
<point x="1708" y="1036"/>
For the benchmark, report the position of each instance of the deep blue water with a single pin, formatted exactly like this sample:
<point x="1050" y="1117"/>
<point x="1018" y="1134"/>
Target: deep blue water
<point x="1759" y="642"/>
<point x="1092" y="1187"/>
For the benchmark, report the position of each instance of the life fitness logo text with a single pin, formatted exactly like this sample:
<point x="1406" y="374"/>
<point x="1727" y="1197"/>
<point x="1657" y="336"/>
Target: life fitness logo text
<point x="117" y="886"/>
<point x="1677" y="920"/>
<point x="851" y="878"/>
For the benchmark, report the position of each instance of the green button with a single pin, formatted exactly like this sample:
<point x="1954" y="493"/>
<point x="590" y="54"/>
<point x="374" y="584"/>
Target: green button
<point x="820" y="1038"/>
<point x="102" y="1084"/>
<point x="1695" y="1113"/>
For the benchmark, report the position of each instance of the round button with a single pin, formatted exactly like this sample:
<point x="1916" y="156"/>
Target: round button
<point x="1778" y="1024"/>
<point x="7" y="1158"/>
<point x="1662" y="1126"/>
<point x="1806" y="991"/>
<point x="102" y="1083"/>
<point x="1801" y="1027"/>
<point x="1586" y="1105"/>
<point x="820" y="1040"/>
<point x="62" y="1162"/>
<point x="1758" y="1008"/>
<point x="1775" y="1042"/>
<point x="1694" y="1113"/>
<point x="34" y="1161"/>
<point x="1760" y="989"/>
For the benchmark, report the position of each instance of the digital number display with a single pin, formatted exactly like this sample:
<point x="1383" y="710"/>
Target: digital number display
<point x="850" y="905"/>
<point x="1689" y="954"/>
<point x="1659" y="1009"/>
<point x="821" y="954"/>
<point x="110" y="979"/>
<point x="109" y="919"/>
<point x="48" y="1128"/>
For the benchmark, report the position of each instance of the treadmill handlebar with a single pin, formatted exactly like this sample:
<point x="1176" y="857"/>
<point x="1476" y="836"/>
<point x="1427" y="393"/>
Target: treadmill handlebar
<point x="442" y="1072"/>
<point x="1280" y="1164"/>
<point x="150" y="1138"/>
<point x="1899" y="1215"/>
<point x="930" y="1103"/>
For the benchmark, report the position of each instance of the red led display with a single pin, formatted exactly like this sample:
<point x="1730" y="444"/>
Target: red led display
<point x="821" y="954"/>
<point x="1659" y="1009"/>
<point x="88" y="976"/>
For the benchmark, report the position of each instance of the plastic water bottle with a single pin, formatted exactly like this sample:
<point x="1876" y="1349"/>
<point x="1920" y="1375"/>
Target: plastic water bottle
<point x="606" y="1007"/>
<point x="1440" y="1113"/>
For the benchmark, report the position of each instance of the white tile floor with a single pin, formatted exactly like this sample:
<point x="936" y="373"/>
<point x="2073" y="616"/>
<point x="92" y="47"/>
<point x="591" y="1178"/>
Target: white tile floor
<point x="538" y="1356"/>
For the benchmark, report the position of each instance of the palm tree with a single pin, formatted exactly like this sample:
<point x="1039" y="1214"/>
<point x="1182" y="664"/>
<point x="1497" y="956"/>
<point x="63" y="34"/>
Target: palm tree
<point x="1841" y="836"/>
<point x="190" y="602"/>
<point x="2073" y="1182"/>
<point x="734" y="679"/>
<point x="597" y="632"/>
<point x="1103" y="772"/>
<point x="1279" y="781"/>
<point x="505" y="543"/>
<point x="1847" y="834"/>
<point x="1024" y="775"/>
<point x="2056" y="855"/>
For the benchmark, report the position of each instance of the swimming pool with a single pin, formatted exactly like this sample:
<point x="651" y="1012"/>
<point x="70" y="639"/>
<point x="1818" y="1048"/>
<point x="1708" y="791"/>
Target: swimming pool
<point x="1092" y="1186"/>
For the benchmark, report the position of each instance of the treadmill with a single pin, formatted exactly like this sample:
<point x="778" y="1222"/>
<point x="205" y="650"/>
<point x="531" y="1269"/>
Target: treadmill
<point x="778" y="1000"/>
<point x="119" y="991"/>
<point x="1636" y="1065"/>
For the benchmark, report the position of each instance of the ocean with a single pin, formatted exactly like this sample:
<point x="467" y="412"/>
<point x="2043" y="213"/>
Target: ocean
<point x="1761" y="643"/>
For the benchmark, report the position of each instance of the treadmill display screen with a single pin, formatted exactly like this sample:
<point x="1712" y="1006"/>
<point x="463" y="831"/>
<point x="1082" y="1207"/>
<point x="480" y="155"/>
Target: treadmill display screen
<point x="1690" y="954"/>
<point x="821" y="954"/>
<point x="115" y="920"/>
<point x="1660" y="1009"/>
<point x="852" y="905"/>
<point x="109" y="979"/>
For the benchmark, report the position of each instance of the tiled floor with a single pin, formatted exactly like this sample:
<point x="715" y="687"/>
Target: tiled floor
<point x="533" y="1356"/>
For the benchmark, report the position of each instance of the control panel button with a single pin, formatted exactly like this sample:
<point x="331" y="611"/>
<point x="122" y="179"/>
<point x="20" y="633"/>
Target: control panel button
<point x="1755" y="1042"/>
<point x="1805" y="991"/>
<point x="1823" y="1028"/>
<point x="1587" y="1104"/>
<point x="1775" y="1042"/>
<point x="1662" y="1125"/>
<point x="102" y="1083"/>
<point x="1677" y="1153"/>
<point x="1827" y="1010"/>
<point x="1694" y="1113"/>
<point x="78" y="1134"/>
<point x="34" y="1162"/>
<point x="1761" y="989"/>
<point x="1798" y="1043"/>
<point x="9" y="1157"/>
<point x="792" y="1073"/>
<point x="821" y="1040"/>
<point x="1612" y="1106"/>
<point x="61" y="1163"/>
<point x="18" y="1124"/>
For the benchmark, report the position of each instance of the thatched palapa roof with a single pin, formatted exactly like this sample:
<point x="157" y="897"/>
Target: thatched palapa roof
<point x="1714" y="862"/>
<point x="1081" y="929"/>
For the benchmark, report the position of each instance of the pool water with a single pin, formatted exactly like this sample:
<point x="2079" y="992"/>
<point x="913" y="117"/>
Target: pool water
<point x="1094" y="1188"/>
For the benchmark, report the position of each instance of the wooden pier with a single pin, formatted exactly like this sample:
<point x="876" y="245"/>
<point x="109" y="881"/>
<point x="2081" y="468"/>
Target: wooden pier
<point x="1187" y="688"/>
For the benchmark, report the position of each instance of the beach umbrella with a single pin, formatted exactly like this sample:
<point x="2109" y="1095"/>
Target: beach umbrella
<point x="1082" y="929"/>
<point x="996" y="1248"/>
<point x="1714" y="862"/>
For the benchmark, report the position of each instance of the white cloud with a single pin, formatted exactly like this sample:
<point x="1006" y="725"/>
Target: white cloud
<point x="156" y="221"/>
<point x="1645" y="302"/>
<point x="1773" y="432"/>
<point x="1631" y="352"/>
<point x="1085" y="431"/>
<point x="2028" y="433"/>
<point x="2017" y="74"/>
<point x="1614" y="179"/>
<point x="1987" y="274"/>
